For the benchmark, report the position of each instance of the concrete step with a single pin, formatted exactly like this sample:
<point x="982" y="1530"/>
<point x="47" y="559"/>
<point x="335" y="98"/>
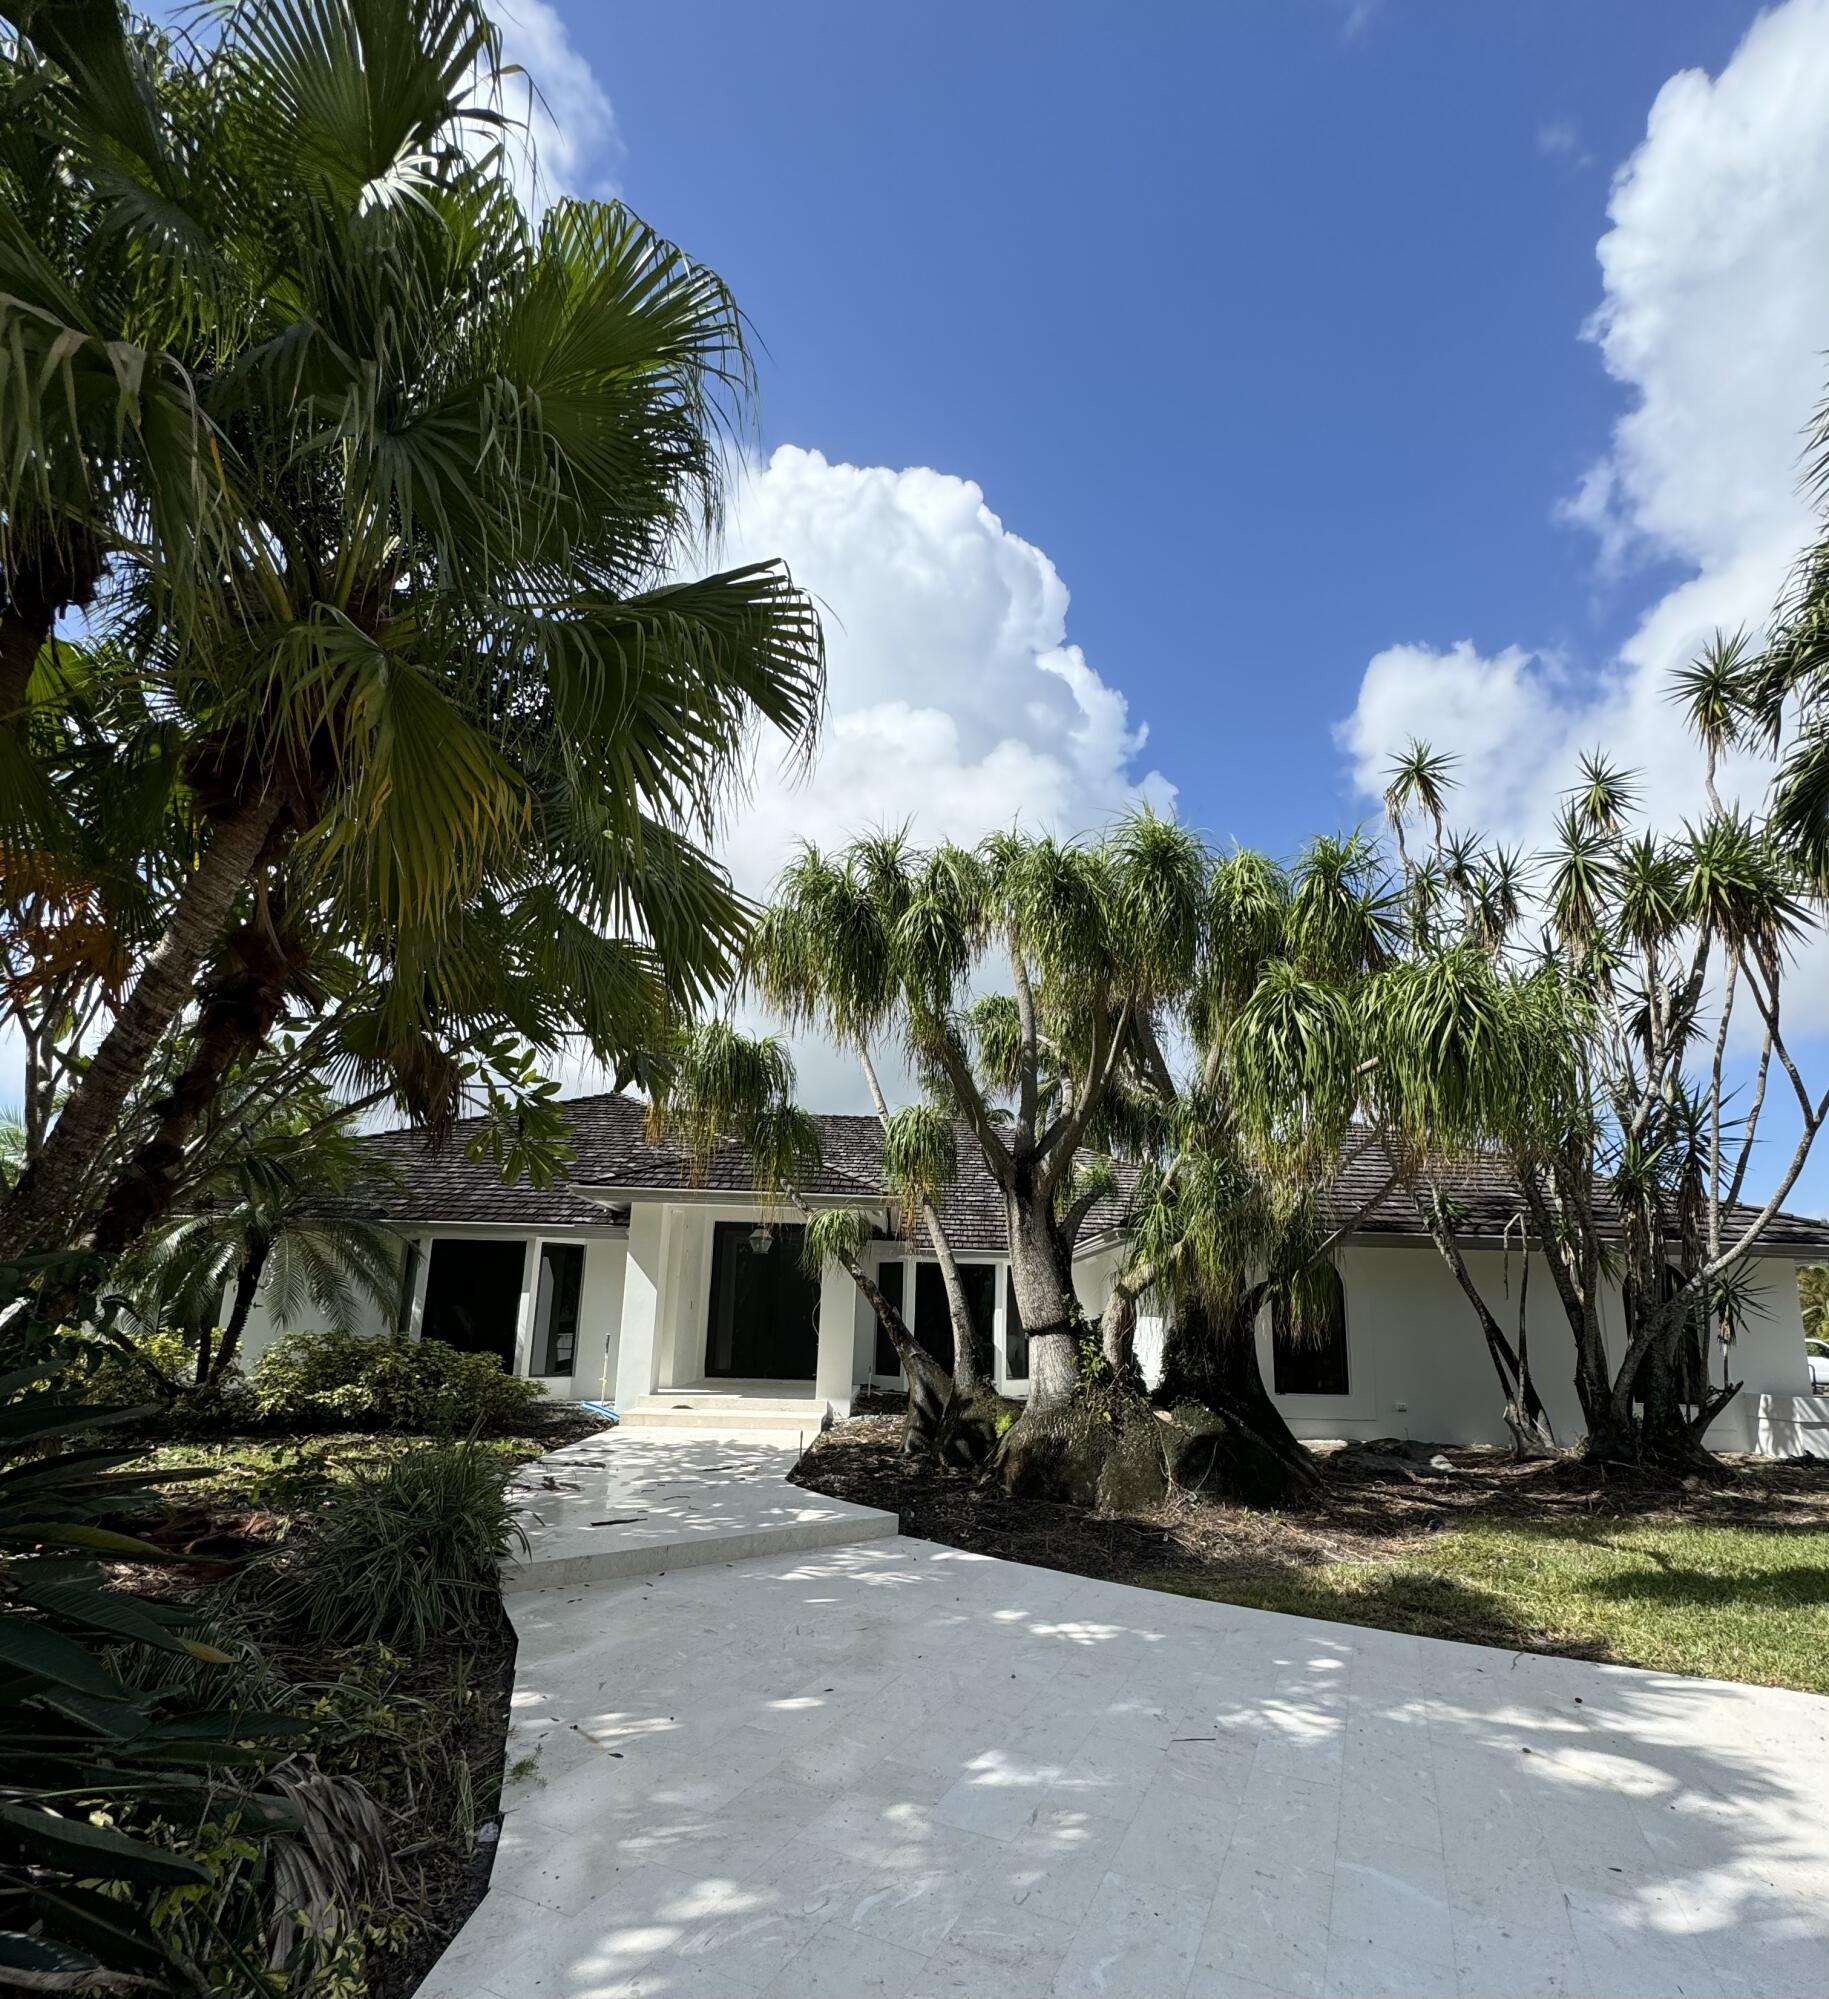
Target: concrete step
<point x="613" y="1506"/>
<point x="777" y="1425"/>
<point x="722" y="1402"/>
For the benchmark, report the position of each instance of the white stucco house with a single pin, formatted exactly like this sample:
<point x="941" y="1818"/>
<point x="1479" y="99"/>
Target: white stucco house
<point x="640" y="1282"/>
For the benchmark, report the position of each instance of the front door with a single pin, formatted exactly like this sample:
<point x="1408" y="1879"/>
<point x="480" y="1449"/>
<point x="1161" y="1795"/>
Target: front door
<point x="764" y="1307"/>
<point x="473" y="1295"/>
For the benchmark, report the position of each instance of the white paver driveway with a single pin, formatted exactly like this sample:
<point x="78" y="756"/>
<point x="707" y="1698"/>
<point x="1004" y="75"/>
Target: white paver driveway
<point x="893" y="1768"/>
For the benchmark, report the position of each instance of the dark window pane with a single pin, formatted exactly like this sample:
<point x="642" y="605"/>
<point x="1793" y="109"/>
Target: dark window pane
<point x="1309" y="1358"/>
<point x="933" y="1322"/>
<point x="555" y="1312"/>
<point x="409" y="1283"/>
<point x="1015" y="1340"/>
<point x="473" y="1295"/>
<point x="889" y="1283"/>
<point x="764" y="1307"/>
<point x="933" y="1325"/>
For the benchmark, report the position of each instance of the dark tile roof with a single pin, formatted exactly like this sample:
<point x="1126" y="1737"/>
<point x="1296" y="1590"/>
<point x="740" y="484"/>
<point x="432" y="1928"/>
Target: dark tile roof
<point x="1483" y="1196"/>
<point x="612" y="1152"/>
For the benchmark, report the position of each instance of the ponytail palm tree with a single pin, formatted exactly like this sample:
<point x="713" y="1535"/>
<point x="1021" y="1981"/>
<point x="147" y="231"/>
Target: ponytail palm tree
<point x="446" y="680"/>
<point x="1097" y="942"/>
<point x="1600" y="1066"/>
<point x="823" y="955"/>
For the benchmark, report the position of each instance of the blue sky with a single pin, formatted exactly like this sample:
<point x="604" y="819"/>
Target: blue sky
<point x="1263" y="325"/>
<point x="1191" y="404"/>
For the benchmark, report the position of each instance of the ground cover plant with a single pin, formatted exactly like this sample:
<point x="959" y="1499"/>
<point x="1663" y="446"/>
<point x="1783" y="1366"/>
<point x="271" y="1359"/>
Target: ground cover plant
<point x="1727" y="1578"/>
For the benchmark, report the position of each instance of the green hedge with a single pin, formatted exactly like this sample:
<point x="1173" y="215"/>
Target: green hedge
<point x="350" y="1381"/>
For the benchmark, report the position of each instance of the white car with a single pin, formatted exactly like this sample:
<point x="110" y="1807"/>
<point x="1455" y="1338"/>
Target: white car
<point x="1818" y="1354"/>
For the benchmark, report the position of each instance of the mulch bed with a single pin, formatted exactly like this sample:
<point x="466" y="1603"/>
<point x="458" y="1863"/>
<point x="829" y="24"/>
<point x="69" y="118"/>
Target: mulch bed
<point x="1371" y="1503"/>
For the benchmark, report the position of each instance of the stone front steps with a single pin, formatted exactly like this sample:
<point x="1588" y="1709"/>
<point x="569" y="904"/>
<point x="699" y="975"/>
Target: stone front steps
<point x="720" y="1412"/>
<point x="624" y="1504"/>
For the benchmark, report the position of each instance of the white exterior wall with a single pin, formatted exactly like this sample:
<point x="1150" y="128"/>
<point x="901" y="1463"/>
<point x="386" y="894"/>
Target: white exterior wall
<point x="1416" y="1364"/>
<point x="1092" y="1281"/>
<point x="599" y="1307"/>
<point x="263" y="1329"/>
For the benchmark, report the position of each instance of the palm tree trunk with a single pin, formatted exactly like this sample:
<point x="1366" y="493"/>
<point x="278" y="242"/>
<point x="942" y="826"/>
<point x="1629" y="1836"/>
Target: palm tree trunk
<point x="966" y="1374"/>
<point x="929" y="1389"/>
<point x="235" y="1017"/>
<point x="1045" y="1298"/>
<point x="248" y="1273"/>
<point x="1514" y="1383"/>
<point x="42" y="1207"/>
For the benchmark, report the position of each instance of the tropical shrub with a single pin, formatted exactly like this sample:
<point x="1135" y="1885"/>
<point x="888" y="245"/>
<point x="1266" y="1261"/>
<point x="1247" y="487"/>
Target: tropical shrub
<point x="156" y="1830"/>
<point x="352" y="1381"/>
<point x="408" y="1555"/>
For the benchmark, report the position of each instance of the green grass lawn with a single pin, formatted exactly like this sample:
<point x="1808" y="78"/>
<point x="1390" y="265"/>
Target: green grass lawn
<point x="1732" y="1603"/>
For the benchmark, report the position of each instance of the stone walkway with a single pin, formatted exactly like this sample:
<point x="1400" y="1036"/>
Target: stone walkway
<point x="888" y="1767"/>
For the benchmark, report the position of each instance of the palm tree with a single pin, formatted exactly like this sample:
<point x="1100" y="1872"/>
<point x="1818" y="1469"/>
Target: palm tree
<point x="823" y="955"/>
<point x="444" y="691"/>
<point x="276" y="1214"/>
<point x="1578" y="1061"/>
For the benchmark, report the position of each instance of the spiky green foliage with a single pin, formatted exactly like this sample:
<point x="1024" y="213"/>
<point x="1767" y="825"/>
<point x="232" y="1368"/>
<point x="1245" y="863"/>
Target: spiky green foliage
<point x="834" y="1235"/>
<point x="724" y="1087"/>
<point x="434" y="658"/>
<point x="1739" y="888"/>
<point x="1714" y="692"/>
<point x="995" y="1025"/>
<point x="1604" y="799"/>
<point x="1344" y="912"/>
<point x="920" y="1156"/>
<point x="1293" y="1059"/>
<point x="272" y="1208"/>
<point x="409" y="1554"/>
<point x="1419" y="781"/>
<point x="116" y="1789"/>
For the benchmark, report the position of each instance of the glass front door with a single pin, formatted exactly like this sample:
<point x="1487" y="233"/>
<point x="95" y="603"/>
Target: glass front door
<point x="764" y="1307"/>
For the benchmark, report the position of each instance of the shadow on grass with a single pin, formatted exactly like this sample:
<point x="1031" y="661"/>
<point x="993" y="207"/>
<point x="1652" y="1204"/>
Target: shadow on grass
<point x="1388" y="1599"/>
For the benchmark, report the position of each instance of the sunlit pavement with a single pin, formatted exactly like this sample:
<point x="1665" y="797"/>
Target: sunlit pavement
<point x="892" y="1768"/>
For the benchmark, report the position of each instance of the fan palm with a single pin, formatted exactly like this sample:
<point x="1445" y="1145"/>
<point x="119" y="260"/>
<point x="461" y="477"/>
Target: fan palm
<point x="276" y="1214"/>
<point x="446" y="670"/>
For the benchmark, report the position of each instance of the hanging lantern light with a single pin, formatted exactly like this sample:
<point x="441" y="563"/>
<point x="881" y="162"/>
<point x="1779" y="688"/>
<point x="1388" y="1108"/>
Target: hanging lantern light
<point x="761" y="1239"/>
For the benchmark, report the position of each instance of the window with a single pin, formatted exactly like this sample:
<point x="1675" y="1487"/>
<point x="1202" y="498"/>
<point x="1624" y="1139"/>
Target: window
<point x="409" y="1283"/>
<point x="1015" y="1340"/>
<point x="555" y="1312"/>
<point x="473" y="1294"/>
<point x="933" y="1321"/>
<point x="1309" y="1356"/>
<point x="889" y="1283"/>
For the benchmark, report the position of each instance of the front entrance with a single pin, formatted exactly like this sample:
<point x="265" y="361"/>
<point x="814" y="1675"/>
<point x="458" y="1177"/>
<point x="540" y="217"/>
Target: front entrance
<point x="764" y="1308"/>
<point x="473" y="1295"/>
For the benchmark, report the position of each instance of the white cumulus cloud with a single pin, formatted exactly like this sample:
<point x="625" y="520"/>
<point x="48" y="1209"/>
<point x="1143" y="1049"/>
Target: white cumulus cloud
<point x="565" y="141"/>
<point x="1714" y="314"/>
<point x="957" y="703"/>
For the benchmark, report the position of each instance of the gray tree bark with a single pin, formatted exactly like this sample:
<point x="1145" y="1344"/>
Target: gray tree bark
<point x="42" y="1210"/>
